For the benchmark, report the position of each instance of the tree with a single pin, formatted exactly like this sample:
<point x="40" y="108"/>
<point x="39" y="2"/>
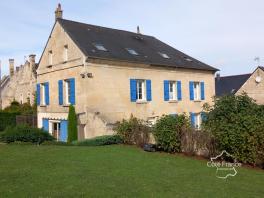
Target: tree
<point x="72" y="125"/>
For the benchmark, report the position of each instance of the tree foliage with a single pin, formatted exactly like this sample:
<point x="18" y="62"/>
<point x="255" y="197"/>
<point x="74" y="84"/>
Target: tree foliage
<point x="237" y="124"/>
<point x="72" y="125"/>
<point x="168" y="130"/>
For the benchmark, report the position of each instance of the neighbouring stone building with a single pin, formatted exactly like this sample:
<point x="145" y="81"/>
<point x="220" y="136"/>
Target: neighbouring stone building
<point x="252" y="84"/>
<point x="20" y="84"/>
<point x="109" y="74"/>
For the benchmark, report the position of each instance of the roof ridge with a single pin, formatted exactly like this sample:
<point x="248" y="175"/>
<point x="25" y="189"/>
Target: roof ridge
<point x="235" y="75"/>
<point x="106" y="27"/>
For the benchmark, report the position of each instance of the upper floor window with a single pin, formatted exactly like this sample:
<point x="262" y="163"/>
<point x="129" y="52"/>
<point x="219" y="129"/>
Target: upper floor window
<point x="100" y="47"/>
<point x="43" y="93"/>
<point x="66" y="91"/>
<point x="50" y="57"/>
<point x="65" y="57"/>
<point x="140" y="90"/>
<point x="172" y="90"/>
<point x="132" y="51"/>
<point x="196" y="90"/>
<point x="163" y="55"/>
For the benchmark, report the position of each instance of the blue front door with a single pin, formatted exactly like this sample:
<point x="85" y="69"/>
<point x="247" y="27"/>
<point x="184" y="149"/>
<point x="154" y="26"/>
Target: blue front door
<point x="63" y="131"/>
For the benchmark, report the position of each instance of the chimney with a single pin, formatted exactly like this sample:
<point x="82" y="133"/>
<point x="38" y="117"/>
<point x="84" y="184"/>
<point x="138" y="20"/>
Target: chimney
<point x="217" y="76"/>
<point x="11" y="67"/>
<point x="58" y="12"/>
<point x="138" y="30"/>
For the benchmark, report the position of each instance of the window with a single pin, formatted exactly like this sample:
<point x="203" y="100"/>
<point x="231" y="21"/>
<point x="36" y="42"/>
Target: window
<point x="28" y="97"/>
<point x="188" y="59"/>
<point x="196" y="88"/>
<point x="21" y="98"/>
<point x="65" y="53"/>
<point x="197" y="120"/>
<point x="42" y="94"/>
<point x="132" y="51"/>
<point x="163" y="55"/>
<point x="67" y="92"/>
<point x="100" y="47"/>
<point x="141" y="90"/>
<point x="50" y="57"/>
<point x="172" y="90"/>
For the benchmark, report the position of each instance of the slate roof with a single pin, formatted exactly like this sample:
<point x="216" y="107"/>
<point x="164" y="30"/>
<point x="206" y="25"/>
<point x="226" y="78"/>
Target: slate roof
<point x="116" y="42"/>
<point x="229" y="84"/>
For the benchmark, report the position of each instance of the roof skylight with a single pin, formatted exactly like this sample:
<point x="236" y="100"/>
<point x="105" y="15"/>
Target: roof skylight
<point x="132" y="51"/>
<point x="188" y="59"/>
<point x="100" y="47"/>
<point x="164" y="55"/>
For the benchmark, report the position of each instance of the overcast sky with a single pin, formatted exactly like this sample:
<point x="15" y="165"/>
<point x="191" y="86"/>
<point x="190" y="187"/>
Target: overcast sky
<point x="227" y="34"/>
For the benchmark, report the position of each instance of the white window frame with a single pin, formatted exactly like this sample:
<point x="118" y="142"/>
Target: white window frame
<point x="67" y="91"/>
<point x="197" y="121"/>
<point x="197" y="90"/>
<point x="173" y="94"/>
<point x="65" y="53"/>
<point x="42" y="94"/>
<point x="143" y="90"/>
<point x="50" y="57"/>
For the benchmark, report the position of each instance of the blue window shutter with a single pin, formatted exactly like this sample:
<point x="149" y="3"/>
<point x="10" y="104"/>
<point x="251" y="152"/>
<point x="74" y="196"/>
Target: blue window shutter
<point x="166" y="90"/>
<point x="191" y="88"/>
<point x="202" y="91"/>
<point x="179" y="93"/>
<point x="133" y="90"/>
<point x="47" y="101"/>
<point x="192" y="118"/>
<point x="148" y="86"/>
<point x="64" y="131"/>
<point x="45" y="124"/>
<point x="60" y="85"/>
<point x="72" y="91"/>
<point x="38" y="94"/>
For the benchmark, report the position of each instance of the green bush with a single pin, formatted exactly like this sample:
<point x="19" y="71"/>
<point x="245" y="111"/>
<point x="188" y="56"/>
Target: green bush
<point x="7" y="119"/>
<point x="57" y="143"/>
<point x="72" y="125"/>
<point x="23" y="133"/>
<point x="167" y="132"/>
<point x="237" y="124"/>
<point x="99" y="141"/>
<point x="133" y="131"/>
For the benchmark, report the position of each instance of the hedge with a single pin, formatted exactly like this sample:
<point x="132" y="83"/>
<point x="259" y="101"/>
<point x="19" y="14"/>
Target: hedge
<point x="7" y="119"/>
<point x="100" y="141"/>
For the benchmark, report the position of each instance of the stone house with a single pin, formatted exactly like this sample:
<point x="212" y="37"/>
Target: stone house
<point x="252" y="84"/>
<point x="109" y="74"/>
<point x="20" y="84"/>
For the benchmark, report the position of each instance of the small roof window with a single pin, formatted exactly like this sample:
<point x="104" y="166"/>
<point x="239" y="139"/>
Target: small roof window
<point x="188" y="59"/>
<point x="132" y="51"/>
<point x="163" y="55"/>
<point x="100" y="47"/>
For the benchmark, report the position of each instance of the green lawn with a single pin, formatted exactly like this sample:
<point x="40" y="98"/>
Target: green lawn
<point x="115" y="171"/>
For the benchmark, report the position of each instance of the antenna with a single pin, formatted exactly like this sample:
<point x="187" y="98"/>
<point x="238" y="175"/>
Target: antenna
<point x="257" y="60"/>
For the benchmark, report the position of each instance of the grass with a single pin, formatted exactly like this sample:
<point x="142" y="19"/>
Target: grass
<point x="115" y="171"/>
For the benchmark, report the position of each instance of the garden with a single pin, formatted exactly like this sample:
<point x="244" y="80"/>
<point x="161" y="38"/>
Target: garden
<point x="34" y="164"/>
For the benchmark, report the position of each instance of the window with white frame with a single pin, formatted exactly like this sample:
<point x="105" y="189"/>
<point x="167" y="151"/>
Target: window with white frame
<point x="67" y="88"/>
<point x="50" y="57"/>
<point x="197" y="121"/>
<point x="141" y="90"/>
<point x="197" y="90"/>
<point x="172" y="90"/>
<point x="65" y="53"/>
<point x="42" y="94"/>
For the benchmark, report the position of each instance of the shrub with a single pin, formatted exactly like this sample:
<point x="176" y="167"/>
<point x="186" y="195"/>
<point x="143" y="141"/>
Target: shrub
<point x="72" y="125"/>
<point x="133" y="131"/>
<point x="167" y="132"/>
<point x="237" y="124"/>
<point x="57" y="143"/>
<point x="100" y="141"/>
<point x="23" y="133"/>
<point x="7" y="119"/>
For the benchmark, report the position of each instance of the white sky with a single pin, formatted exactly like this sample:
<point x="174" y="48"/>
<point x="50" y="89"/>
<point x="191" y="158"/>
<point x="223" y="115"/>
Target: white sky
<point x="225" y="34"/>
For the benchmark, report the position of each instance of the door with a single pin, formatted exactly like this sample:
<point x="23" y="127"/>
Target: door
<point x="56" y="128"/>
<point x="64" y="131"/>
